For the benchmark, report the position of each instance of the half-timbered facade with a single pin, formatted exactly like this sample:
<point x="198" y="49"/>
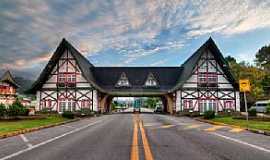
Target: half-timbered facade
<point x="8" y="88"/>
<point x="62" y="85"/>
<point x="208" y="85"/>
<point x="70" y="82"/>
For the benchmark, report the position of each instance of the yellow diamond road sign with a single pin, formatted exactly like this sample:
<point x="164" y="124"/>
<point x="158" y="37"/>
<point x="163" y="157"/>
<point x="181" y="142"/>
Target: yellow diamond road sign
<point x="244" y="85"/>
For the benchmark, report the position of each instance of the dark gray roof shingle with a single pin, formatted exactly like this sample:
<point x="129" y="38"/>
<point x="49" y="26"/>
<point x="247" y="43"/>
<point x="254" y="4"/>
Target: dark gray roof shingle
<point x="107" y="77"/>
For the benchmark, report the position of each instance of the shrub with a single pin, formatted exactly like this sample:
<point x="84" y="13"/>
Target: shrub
<point x="209" y="115"/>
<point x="13" y="110"/>
<point x="68" y="114"/>
<point x="195" y="114"/>
<point x="87" y="112"/>
<point x="47" y="111"/>
<point x="268" y="109"/>
<point x="2" y="109"/>
<point x="17" y="109"/>
<point x="252" y="112"/>
<point x="24" y="111"/>
<point x="84" y="112"/>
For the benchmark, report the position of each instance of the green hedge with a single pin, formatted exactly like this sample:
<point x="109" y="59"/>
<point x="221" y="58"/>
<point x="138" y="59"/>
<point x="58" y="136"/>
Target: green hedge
<point x="47" y="111"/>
<point x="209" y="115"/>
<point x="2" y="109"/>
<point x="268" y="109"/>
<point x="16" y="109"/>
<point x="68" y="114"/>
<point x="252" y="112"/>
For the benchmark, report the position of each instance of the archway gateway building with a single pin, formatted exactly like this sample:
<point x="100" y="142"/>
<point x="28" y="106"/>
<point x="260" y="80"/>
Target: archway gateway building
<point x="203" y="82"/>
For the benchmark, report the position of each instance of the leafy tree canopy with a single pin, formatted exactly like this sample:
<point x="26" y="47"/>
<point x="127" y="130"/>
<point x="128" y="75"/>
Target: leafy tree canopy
<point x="263" y="58"/>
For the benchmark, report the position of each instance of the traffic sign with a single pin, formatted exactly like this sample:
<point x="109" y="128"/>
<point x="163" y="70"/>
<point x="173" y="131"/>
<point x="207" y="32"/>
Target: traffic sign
<point x="244" y="85"/>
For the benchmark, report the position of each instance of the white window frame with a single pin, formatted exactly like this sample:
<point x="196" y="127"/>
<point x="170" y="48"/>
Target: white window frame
<point x="231" y="104"/>
<point x="212" y="78"/>
<point x="123" y="81"/>
<point x="188" y="104"/>
<point x="202" y="78"/>
<point x="67" y="105"/>
<point x="151" y="81"/>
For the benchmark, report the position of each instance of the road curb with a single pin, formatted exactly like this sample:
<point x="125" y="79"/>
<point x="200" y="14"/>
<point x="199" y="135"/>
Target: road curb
<point x="267" y="133"/>
<point x="15" y="133"/>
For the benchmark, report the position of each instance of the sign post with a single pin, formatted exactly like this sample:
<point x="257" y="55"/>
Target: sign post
<point x="244" y="86"/>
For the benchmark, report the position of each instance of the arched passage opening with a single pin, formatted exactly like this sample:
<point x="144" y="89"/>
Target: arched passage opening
<point x="157" y="104"/>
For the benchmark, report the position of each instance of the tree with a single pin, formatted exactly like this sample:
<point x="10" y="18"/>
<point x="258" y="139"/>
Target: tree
<point x="114" y="105"/>
<point x="230" y="59"/>
<point x="263" y="58"/>
<point x="2" y="109"/>
<point x="266" y="84"/>
<point x="151" y="102"/>
<point x="243" y="70"/>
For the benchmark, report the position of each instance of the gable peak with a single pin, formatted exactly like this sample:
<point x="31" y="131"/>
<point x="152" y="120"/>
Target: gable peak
<point x="151" y="80"/>
<point x="123" y="81"/>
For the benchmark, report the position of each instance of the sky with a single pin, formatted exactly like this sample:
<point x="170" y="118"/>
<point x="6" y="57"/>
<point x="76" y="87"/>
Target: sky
<point x="128" y="32"/>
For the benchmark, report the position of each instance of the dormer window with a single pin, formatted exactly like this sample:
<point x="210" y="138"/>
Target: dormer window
<point x="123" y="81"/>
<point x="151" y="81"/>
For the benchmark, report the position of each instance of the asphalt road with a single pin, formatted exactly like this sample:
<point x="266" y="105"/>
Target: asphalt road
<point x="137" y="137"/>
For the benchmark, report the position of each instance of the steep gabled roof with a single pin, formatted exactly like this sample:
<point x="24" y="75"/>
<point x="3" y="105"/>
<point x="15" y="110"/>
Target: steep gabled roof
<point x="7" y="77"/>
<point x="84" y="65"/>
<point x="190" y="64"/>
<point x="107" y="77"/>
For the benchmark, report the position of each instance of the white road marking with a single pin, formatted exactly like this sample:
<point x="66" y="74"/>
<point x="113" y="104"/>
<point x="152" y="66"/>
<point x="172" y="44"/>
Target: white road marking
<point x="26" y="140"/>
<point x="242" y="142"/>
<point x="68" y="126"/>
<point x="151" y="124"/>
<point x="48" y="141"/>
<point x="178" y="122"/>
<point x="182" y="124"/>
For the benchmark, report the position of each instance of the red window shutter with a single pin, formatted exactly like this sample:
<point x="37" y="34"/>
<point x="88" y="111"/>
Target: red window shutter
<point x="190" y="104"/>
<point x="82" y="104"/>
<point x="49" y="103"/>
<point x="228" y="104"/>
<point x="185" y="104"/>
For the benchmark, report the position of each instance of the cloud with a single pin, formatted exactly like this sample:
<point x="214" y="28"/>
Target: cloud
<point x="158" y="63"/>
<point x="228" y="17"/>
<point x="132" y="55"/>
<point x="131" y="29"/>
<point x="20" y="64"/>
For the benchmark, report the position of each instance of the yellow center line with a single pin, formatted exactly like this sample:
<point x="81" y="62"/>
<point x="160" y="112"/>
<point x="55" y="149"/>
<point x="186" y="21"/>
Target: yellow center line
<point x="134" y="148"/>
<point x="146" y="146"/>
<point x="214" y="128"/>
<point x="236" y="130"/>
<point x="192" y="126"/>
<point x="167" y="126"/>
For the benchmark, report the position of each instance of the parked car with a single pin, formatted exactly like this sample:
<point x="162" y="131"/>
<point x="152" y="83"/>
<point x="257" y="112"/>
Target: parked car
<point x="260" y="106"/>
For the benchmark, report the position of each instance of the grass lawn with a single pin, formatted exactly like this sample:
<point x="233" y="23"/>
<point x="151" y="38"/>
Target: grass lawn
<point x="253" y="124"/>
<point x="10" y="126"/>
